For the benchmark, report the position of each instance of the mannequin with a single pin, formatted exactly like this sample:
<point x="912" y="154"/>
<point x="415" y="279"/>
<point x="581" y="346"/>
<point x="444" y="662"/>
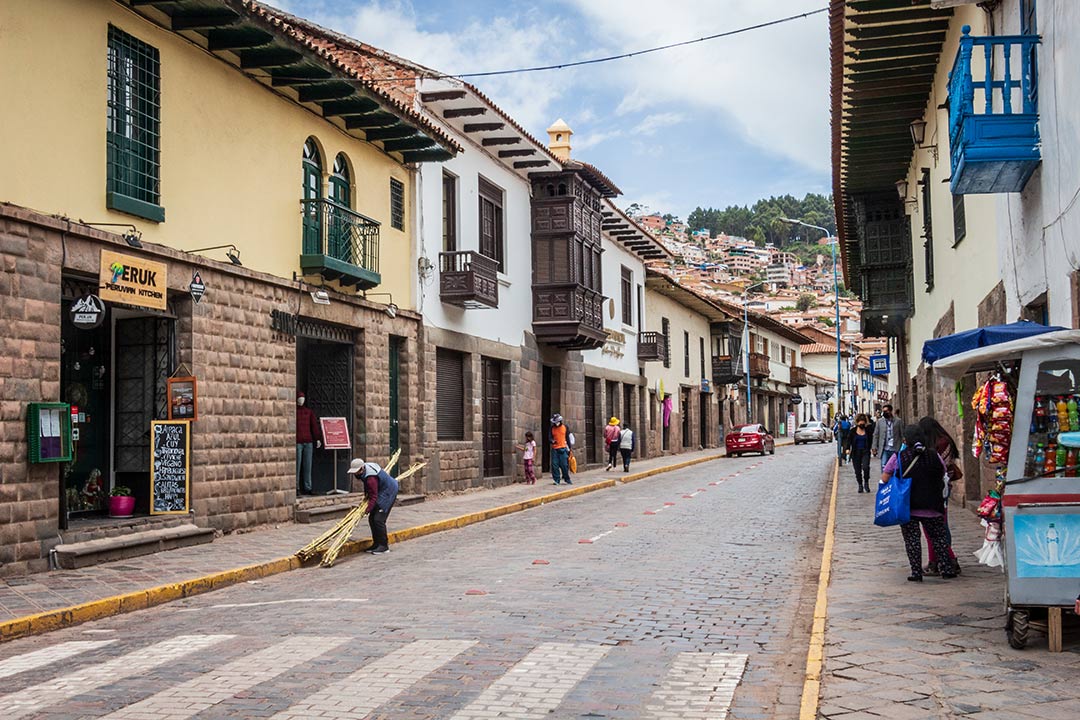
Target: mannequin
<point x="307" y="435"/>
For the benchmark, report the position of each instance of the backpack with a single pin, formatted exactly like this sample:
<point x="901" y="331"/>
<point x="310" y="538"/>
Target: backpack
<point x="845" y="425"/>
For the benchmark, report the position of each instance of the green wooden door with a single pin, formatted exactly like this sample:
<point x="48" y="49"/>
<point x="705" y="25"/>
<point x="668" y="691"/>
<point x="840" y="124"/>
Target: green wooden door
<point x="395" y="374"/>
<point x="312" y="194"/>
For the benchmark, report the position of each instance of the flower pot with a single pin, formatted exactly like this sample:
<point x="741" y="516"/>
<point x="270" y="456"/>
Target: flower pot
<point x="121" y="506"/>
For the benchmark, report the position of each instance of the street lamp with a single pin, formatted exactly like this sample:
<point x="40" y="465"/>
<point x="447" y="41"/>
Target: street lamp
<point x="836" y="293"/>
<point x="746" y="346"/>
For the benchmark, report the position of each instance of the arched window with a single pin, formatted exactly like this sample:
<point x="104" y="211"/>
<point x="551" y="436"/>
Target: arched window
<point x="341" y="182"/>
<point x="312" y="165"/>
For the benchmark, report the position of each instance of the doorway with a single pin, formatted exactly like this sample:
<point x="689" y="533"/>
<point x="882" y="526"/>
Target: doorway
<point x="628" y="408"/>
<point x="394" y="396"/>
<point x="492" y="415"/>
<point x="548" y="383"/>
<point x="589" y="431"/>
<point x="703" y="419"/>
<point x="684" y="407"/>
<point x="324" y="373"/>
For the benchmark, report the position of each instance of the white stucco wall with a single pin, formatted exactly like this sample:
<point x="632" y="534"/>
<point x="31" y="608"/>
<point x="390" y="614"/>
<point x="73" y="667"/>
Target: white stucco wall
<point x="613" y="356"/>
<point x="681" y="319"/>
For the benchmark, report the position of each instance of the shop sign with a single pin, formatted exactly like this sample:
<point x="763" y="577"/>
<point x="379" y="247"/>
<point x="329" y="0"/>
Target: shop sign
<point x="883" y="395"/>
<point x="879" y="364"/>
<point x="196" y="287"/>
<point x="133" y="281"/>
<point x="335" y="432"/>
<point x="283" y="322"/>
<point x="796" y="399"/>
<point x="88" y="312"/>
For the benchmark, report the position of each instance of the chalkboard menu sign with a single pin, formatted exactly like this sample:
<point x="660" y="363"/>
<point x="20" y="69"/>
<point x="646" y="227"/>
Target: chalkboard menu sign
<point x="170" y="466"/>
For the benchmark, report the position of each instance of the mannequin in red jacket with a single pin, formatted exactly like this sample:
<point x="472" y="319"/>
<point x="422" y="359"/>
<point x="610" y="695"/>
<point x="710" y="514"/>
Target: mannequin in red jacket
<point x="308" y="434"/>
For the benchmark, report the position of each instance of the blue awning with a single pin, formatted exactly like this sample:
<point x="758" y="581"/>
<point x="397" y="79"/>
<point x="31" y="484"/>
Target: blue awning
<point x="943" y="347"/>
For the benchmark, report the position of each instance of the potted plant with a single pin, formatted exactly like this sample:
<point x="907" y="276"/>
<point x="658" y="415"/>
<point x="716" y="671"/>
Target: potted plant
<point x="121" y="502"/>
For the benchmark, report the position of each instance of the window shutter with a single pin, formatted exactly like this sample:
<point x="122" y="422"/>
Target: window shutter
<point x="450" y="394"/>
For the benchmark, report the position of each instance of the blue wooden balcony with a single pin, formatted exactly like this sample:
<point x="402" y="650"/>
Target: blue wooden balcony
<point x="993" y="113"/>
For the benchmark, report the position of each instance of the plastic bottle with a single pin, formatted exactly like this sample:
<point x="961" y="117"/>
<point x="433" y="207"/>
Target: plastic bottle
<point x="1040" y="415"/>
<point x="1062" y="455"/>
<point x="1029" y="461"/>
<point x="1062" y="415"/>
<point x="1071" y="459"/>
<point x="1052" y="544"/>
<point x="1074" y="413"/>
<point x="1051" y="458"/>
<point x="1040" y="458"/>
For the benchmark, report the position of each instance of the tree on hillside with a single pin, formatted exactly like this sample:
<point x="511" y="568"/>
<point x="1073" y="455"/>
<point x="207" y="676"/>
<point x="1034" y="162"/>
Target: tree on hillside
<point x="805" y="302"/>
<point x="761" y="221"/>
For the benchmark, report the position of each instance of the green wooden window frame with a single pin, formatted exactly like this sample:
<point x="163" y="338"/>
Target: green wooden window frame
<point x="397" y="204"/>
<point x="341" y="182"/>
<point x="133" y="139"/>
<point x="312" y="191"/>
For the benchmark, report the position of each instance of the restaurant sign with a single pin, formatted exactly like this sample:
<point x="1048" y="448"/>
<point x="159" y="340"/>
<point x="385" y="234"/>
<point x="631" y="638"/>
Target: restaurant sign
<point x="133" y="281"/>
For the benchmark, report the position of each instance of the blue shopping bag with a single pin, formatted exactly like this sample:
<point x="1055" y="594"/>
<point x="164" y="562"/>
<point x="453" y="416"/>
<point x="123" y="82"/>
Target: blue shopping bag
<point x="893" y="506"/>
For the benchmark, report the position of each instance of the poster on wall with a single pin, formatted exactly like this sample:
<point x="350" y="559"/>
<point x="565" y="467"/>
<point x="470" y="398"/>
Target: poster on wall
<point x="133" y="280"/>
<point x="1047" y="546"/>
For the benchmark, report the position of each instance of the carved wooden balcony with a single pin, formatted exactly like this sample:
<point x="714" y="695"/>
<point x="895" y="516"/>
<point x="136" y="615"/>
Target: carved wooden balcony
<point x="468" y="279"/>
<point x="798" y="377"/>
<point x="568" y="316"/>
<point x="725" y="370"/>
<point x="759" y="365"/>
<point x="651" y="346"/>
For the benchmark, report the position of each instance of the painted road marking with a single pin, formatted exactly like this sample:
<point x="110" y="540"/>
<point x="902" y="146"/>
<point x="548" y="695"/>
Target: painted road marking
<point x="305" y="601"/>
<point x="699" y="686"/>
<point x="46" y="656"/>
<point x="139" y="662"/>
<point x="535" y="686"/>
<point x="355" y="697"/>
<point x="215" y="686"/>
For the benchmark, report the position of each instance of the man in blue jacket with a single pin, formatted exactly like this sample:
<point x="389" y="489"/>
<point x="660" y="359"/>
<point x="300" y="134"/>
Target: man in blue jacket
<point x="380" y="494"/>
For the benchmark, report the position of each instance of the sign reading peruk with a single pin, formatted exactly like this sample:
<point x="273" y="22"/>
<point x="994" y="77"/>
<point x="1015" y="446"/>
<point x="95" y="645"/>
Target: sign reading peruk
<point x="133" y="280"/>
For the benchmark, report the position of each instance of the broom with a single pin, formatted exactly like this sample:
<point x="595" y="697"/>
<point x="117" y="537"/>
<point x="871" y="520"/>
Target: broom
<point x="319" y="544"/>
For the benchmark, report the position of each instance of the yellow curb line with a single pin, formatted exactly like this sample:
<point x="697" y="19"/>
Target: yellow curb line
<point x="141" y="599"/>
<point x="815" y="656"/>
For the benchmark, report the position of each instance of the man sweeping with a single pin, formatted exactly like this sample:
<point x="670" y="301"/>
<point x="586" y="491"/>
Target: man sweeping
<point x="380" y="494"/>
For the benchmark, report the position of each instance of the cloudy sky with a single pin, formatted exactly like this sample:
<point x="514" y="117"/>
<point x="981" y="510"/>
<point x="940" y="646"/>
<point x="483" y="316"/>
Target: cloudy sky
<point x="717" y="123"/>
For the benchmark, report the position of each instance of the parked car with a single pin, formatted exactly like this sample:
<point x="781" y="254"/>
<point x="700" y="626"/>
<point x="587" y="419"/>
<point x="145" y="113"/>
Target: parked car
<point x="812" y="431"/>
<point x="749" y="438"/>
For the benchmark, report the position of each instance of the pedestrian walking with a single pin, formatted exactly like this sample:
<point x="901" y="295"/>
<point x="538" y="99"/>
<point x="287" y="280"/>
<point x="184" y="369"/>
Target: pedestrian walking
<point x="626" y="447"/>
<point x="611" y="441"/>
<point x="941" y="441"/>
<point x="528" y="456"/>
<point x="840" y="431"/>
<point x="562" y="440"/>
<point x="888" y="432"/>
<point x="924" y="468"/>
<point x="858" y="449"/>
<point x="380" y="494"/>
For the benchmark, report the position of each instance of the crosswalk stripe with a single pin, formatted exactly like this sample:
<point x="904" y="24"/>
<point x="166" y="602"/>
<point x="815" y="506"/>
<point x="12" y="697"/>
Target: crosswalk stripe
<point x="46" y="656"/>
<point x="377" y="682"/>
<point x="215" y="686"/>
<point x="50" y="692"/>
<point x="699" y="686"/>
<point x="535" y="686"/>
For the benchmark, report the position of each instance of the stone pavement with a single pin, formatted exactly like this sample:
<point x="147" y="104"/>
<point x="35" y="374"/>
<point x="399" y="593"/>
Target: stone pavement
<point x="22" y="596"/>
<point x="898" y="650"/>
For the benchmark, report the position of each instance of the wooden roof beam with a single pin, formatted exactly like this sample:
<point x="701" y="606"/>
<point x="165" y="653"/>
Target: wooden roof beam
<point x="390" y="133"/>
<point x="484" y="127"/>
<point x="521" y="152"/>
<point x="202" y="19"/>
<point x="349" y="106"/>
<point x="326" y="91"/>
<point x="300" y="75"/>
<point x="508" y="140"/>
<point x="236" y="39"/>
<point x="521" y="164"/>
<point x="439" y="95"/>
<point x="370" y="120"/>
<point x="419" y="142"/>
<point x="268" y="57"/>
<point x="463" y="112"/>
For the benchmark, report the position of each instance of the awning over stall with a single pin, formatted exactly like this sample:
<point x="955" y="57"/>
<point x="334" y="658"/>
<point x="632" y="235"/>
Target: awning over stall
<point x="986" y="358"/>
<point x="943" y="347"/>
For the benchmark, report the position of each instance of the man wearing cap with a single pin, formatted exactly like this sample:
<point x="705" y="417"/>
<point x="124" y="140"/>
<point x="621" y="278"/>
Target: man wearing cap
<point x="561" y="442"/>
<point x="308" y="434"/>
<point x="611" y="441"/>
<point x="380" y="494"/>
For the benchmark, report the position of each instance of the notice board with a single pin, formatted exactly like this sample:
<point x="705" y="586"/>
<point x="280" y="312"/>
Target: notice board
<point x="170" y="466"/>
<point x="335" y="432"/>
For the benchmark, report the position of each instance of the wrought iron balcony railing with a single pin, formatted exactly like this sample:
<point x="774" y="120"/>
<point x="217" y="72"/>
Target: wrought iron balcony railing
<point x="340" y="243"/>
<point x="468" y="279"/>
<point x="993" y="113"/>
<point x="651" y="346"/>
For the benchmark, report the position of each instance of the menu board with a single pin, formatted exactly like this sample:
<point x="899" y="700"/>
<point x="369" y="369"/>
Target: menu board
<point x="170" y="466"/>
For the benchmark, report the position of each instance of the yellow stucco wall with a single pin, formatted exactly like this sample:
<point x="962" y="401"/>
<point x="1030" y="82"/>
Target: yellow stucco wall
<point x="230" y="147"/>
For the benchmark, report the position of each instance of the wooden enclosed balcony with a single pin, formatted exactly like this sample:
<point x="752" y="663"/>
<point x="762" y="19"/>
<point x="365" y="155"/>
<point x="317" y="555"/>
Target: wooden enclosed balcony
<point x="798" y="377"/>
<point x="340" y="244"/>
<point x="759" y="365"/>
<point x="725" y="370"/>
<point x="569" y="316"/>
<point x="468" y="279"/>
<point x="993" y="113"/>
<point x="651" y="346"/>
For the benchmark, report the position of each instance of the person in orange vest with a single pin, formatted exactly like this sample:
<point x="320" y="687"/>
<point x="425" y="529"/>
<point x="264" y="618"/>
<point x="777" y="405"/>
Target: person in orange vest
<point x="561" y="442"/>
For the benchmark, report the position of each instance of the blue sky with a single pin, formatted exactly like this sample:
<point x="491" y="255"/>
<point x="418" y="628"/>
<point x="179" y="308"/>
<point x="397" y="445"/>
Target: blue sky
<point x="718" y="123"/>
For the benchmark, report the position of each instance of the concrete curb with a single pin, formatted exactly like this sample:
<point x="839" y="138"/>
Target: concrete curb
<point x="141" y="599"/>
<point x="815" y="655"/>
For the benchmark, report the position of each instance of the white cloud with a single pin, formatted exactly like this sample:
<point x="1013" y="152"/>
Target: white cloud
<point x="592" y="139"/>
<point x="656" y="121"/>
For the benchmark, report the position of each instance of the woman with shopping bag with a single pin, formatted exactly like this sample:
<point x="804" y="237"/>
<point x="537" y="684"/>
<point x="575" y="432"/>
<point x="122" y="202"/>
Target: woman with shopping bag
<point x="922" y="468"/>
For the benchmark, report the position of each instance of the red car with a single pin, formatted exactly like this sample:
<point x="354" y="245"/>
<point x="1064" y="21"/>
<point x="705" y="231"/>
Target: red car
<point x="749" y="438"/>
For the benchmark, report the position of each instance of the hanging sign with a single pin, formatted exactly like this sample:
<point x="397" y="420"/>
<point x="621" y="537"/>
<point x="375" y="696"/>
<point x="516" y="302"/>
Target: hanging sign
<point x="879" y="364"/>
<point x="133" y="280"/>
<point x="335" y="433"/>
<point x="88" y="312"/>
<point x="170" y="466"/>
<point x="796" y="399"/>
<point x="196" y="287"/>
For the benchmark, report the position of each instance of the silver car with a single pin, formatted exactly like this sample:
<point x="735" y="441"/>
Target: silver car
<point x="812" y="431"/>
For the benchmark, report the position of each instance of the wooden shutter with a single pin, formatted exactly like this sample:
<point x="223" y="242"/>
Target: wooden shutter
<point x="450" y="394"/>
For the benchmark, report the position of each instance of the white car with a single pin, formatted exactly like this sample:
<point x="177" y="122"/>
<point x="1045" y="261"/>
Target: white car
<point x="812" y="431"/>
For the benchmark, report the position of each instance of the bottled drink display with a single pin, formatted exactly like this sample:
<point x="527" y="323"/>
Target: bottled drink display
<point x="1062" y="415"/>
<point x="1050" y="416"/>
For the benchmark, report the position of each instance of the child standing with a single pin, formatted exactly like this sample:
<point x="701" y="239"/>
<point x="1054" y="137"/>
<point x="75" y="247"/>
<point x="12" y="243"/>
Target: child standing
<point x="528" y="454"/>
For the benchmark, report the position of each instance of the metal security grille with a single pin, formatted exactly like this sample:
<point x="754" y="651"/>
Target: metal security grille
<point x="397" y="204"/>
<point x="134" y="117"/>
<point x="449" y="394"/>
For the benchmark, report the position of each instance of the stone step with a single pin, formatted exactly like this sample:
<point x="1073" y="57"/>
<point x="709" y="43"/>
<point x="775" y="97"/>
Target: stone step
<point x="322" y="513"/>
<point x="93" y="552"/>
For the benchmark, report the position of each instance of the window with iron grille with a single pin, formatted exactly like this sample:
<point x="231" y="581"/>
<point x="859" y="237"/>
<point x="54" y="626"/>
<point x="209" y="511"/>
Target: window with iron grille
<point x="686" y="353"/>
<point x="959" y="219"/>
<point x="449" y="394"/>
<point x="133" y="156"/>
<point x="665" y="330"/>
<point x="701" y="352"/>
<point x="627" y="296"/>
<point x="928" y="229"/>
<point x="397" y="204"/>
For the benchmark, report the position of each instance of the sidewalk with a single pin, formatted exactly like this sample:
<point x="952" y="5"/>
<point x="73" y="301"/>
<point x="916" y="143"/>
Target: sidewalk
<point x="67" y="597"/>
<point x="900" y="650"/>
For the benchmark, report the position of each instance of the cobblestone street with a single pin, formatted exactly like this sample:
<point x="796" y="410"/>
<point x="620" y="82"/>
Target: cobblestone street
<point x="673" y="597"/>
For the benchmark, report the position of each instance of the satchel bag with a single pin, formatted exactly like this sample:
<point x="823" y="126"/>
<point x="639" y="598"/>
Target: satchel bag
<point x="893" y="506"/>
<point x="573" y="463"/>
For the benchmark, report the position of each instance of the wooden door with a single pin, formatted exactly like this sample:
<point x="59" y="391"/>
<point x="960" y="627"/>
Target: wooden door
<point x="492" y="416"/>
<point x="588" y="432"/>
<point x="395" y="403"/>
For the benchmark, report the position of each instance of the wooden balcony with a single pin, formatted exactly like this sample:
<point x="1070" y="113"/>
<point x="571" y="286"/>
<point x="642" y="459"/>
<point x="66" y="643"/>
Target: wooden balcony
<point x="569" y="316"/>
<point x="651" y="346"/>
<point x="759" y="365"/>
<point x="468" y="279"/>
<point x="725" y="370"/>
<point x="340" y="244"/>
<point x="994" y="140"/>
<point x="798" y="377"/>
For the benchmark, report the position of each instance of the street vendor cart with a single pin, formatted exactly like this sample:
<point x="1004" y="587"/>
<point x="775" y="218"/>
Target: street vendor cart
<point x="1038" y="469"/>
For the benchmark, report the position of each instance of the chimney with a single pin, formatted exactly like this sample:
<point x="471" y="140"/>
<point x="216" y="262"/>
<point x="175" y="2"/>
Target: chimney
<point x="559" y="139"/>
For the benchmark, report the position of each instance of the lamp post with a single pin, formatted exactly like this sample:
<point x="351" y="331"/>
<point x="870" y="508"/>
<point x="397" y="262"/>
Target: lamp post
<point x="746" y="347"/>
<point x="836" y="293"/>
